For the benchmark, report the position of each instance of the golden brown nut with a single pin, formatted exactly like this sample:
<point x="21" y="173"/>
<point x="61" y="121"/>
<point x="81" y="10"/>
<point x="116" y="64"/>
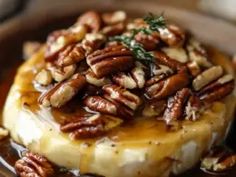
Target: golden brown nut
<point x="110" y="60"/>
<point x="92" y="20"/>
<point x="33" y="165"/>
<point x="61" y="93"/>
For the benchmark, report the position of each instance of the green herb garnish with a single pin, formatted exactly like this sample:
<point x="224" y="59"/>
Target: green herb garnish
<point x="154" y="24"/>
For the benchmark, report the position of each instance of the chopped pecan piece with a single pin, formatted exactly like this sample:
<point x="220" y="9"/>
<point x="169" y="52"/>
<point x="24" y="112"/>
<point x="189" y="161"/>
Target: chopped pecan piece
<point x="218" y="161"/>
<point x="71" y="55"/>
<point x="94" y="80"/>
<point x="197" y="53"/>
<point x="176" y="53"/>
<point x="44" y="77"/>
<point x="194" y="68"/>
<point x="33" y="165"/>
<point x="176" y="105"/>
<point x="168" y="86"/>
<point x="148" y="41"/>
<point x="90" y="127"/>
<point x="58" y="40"/>
<point x="207" y="77"/>
<point x="92" y="20"/>
<point x="114" y="17"/>
<point x="132" y="80"/>
<point x="192" y="109"/>
<point x="61" y="93"/>
<point x="137" y="24"/>
<point x="157" y="70"/>
<point x="172" y="35"/>
<point x="110" y="60"/>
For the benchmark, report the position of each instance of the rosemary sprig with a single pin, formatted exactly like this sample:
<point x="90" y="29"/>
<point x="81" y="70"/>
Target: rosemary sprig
<point x="154" y="24"/>
<point x="139" y="52"/>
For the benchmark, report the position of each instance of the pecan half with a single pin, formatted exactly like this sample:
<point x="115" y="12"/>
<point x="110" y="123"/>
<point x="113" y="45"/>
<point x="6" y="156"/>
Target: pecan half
<point x="216" y="91"/>
<point x="122" y="96"/>
<point x="100" y="104"/>
<point x="115" y="101"/>
<point x="92" y="20"/>
<point x="44" y="77"/>
<point x="90" y="127"/>
<point x="176" y="53"/>
<point x="113" y="30"/>
<point x="108" y="106"/>
<point x="172" y="35"/>
<point x="218" y="161"/>
<point x="94" y="80"/>
<point x="61" y="93"/>
<point x="168" y="86"/>
<point x="149" y="41"/>
<point x="162" y="58"/>
<point x="60" y="74"/>
<point x="57" y="40"/>
<point x="207" y="77"/>
<point x="176" y="105"/>
<point x="216" y="84"/>
<point x="132" y="80"/>
<point x="110" y="60"/>
<point x="92" y="42"/>
<point x="114" y="17"/>
<point x="136" y="24"/>
<point x="33" y="165"/>
<point x="71" y="55"/>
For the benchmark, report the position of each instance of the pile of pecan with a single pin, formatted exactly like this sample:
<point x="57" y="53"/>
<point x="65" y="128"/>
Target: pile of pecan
<point x="111" y="82"/>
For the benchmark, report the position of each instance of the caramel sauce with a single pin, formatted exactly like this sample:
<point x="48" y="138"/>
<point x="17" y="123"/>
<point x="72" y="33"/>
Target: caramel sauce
<point x="145" y="129"/>
<point x="9" y="151"/>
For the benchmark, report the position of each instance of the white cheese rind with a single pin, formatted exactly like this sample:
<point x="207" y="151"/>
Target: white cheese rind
<point x="146" y="148"/>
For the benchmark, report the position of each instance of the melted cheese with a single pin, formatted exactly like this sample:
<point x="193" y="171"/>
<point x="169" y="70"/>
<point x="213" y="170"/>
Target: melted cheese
<point x="133" y="150"/>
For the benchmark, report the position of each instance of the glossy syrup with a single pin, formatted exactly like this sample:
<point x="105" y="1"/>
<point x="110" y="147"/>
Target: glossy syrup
<point x="10" y="151"/>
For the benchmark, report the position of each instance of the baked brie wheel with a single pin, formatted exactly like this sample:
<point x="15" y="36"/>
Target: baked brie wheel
<point x="88" y="103"/>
